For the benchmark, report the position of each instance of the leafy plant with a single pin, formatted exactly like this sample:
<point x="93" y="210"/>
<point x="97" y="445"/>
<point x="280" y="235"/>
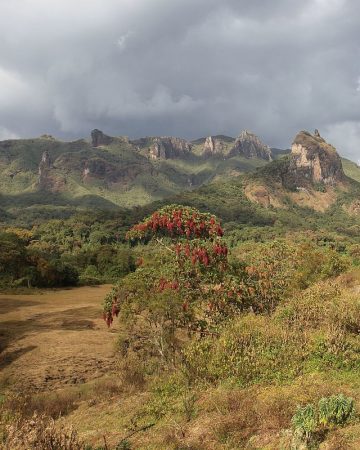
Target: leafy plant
<point x="335" y="410"/>
<point x="184" y="286"/>
<point x="305" y="421"/>
<point x="311" y="423"/>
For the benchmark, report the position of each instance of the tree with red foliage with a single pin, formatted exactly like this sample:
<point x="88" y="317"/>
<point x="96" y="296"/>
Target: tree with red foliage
<point x="188" y="281"/>
<point x="185" y="289"/>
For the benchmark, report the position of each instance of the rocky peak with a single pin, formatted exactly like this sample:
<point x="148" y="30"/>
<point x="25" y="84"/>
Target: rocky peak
<point x="99" y="138"/>
<point x="249" y="145"/>
<point x="169" y="148"/>
<point x="213" y="146"/>
<point x="313" y="160"/>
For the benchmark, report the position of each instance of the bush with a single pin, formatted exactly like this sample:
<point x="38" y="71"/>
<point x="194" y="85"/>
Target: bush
<point x="315" y="329"/>
<point x="305" y="421"/>
<point x="335" y="410"/>
<point x="90" y="276"/>
<point x="310" y="424"/>
<point x="335" y="265"/>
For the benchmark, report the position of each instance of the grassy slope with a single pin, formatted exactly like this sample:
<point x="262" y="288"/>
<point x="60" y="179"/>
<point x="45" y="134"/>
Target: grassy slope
<point x="351" y="169"/>
<point x="98" y="396"/>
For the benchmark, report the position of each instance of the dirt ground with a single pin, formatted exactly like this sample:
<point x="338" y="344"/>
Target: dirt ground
<point x="54" y="339"/>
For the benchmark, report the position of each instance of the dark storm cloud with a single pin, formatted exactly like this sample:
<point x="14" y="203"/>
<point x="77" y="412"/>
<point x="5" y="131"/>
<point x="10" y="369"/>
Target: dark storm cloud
<point x="181" y="67"/>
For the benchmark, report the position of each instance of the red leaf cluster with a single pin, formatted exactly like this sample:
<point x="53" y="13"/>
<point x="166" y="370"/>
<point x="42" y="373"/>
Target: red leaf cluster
<point x="201" y="254"/>
<point x="167" y="284"/>
<point x="178" y="222"/>
<point x="108" y="316"/>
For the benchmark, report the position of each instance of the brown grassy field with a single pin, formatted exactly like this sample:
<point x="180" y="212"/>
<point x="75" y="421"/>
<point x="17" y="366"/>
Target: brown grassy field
<point x="54" y="339"/>
<point x="57" y="357"/>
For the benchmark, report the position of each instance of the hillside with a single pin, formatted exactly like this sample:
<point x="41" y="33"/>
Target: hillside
<point x="310" y="176"/>
<point x="267" y="202"/>
<point x="108" y="172"/>
<point x="351" y="169"/>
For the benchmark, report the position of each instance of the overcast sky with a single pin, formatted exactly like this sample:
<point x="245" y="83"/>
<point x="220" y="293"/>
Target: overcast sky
<point x="188" y="68"/>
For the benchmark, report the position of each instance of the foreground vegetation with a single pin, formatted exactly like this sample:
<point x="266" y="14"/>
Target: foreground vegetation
<point x="234" y="340"/>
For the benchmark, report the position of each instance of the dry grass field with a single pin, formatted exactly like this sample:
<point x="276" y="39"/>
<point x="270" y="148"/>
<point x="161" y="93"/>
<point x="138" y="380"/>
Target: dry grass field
<point x="54" y="339"/>
<point x="58" y="358"/>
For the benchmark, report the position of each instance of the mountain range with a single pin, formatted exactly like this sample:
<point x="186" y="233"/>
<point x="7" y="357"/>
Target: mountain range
<point x="52" y="177"/>
<point x="108" y="171"/>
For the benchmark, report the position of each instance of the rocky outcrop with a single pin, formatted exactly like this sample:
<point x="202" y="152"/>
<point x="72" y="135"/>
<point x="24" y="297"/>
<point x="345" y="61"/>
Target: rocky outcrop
<point x="313" y="160"/>
<point x="213" y="146"/>
<point x="169" y="148"/>
<point x="249" y="145"/>
<point x="47" y="137"/>
<point x="48" y="180"/>
<point x="97" y="168"/>
<point x="99" y="138"/>
<point x="44" y="170"/>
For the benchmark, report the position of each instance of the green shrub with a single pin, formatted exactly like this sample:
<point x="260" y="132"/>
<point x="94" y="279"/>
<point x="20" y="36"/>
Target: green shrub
<point x="310" y="424"/>
<point x="335" y="265"/>
<point x="320" y="187"/>
<point x="305" y="421"/>
<point x="90" y="276"/>
<point x="335" y="410"/>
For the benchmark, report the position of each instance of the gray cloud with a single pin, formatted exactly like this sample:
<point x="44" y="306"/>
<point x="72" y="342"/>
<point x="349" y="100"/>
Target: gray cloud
<point x="183" y="67"/>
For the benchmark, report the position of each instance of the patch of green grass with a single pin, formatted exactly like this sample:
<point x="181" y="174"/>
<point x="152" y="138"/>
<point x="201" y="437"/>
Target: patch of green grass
<point x="351" y="169"/>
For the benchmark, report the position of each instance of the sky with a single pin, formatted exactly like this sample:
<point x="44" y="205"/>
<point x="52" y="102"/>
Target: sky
<point x="188" y="68"/>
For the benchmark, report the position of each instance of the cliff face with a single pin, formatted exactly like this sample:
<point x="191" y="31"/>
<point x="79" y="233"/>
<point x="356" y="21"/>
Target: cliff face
<point x="213" y="146"/>
<point x="312" y="159"/>
<point x="249" y="145"/>
<point x="306" y="177"/>
<point x="99" y="169"/>
<point x="169" y="148"/>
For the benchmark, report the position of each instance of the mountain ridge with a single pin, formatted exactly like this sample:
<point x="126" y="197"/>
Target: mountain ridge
<point x="115" y="172"/>
<point x="143" y="169"/>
